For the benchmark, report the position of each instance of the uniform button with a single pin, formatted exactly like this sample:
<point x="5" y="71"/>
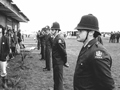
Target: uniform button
<point x="81" y="64"/>
<point x="3" y="43"/>
<point x="89" y="45"/>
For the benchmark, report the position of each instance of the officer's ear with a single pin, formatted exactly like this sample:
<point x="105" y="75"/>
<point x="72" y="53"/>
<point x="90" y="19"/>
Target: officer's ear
<point x="91" y="33"/>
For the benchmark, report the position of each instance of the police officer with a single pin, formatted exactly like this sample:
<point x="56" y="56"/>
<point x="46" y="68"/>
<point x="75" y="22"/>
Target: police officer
<point x="59" y="56"/>
<point x="42" y="38"/>
<point x="93" y="67"/>
<point x="48" y="50"/>
<point x="38" y="40"/>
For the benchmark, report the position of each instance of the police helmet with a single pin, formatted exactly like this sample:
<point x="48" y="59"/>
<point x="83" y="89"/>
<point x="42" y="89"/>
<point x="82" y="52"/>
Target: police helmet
<point x="47" y="28"/>
<point x="56" y="26"/>
<point x="89" y="23"/>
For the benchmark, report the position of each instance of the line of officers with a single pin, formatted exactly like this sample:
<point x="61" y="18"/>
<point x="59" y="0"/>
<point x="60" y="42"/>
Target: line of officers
<point x="44" y="44"/>
<point x="45" y="40"/>
<point x="53" y="47"/>
<point x="93" y="66"/>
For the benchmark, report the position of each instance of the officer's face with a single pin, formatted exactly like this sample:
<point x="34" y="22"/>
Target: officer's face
<point x="47" y="31"/>
<point x="53" y="31"/>
<point x="81" y="35"/>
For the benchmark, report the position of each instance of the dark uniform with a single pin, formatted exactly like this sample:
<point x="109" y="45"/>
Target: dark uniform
<point x="43" y="47"/>
<point x="93" y="70"/>
<point x="38" y="40"/>
<point x="117" y="37"/>
<point x="48" y="50"/>
<point x="59" y="57"/>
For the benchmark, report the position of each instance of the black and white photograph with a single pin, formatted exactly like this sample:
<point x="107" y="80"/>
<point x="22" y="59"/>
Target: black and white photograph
<point x="59" y="45"/>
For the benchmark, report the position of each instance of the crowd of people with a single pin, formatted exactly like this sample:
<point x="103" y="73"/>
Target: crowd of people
<point x="93" y="66"/>
<point x="114" y="37"/>
<point x="9" y="43"/>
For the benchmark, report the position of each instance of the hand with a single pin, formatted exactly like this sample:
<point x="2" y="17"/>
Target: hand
<point x="7" y="57"/>
<point x="66" y="64"/>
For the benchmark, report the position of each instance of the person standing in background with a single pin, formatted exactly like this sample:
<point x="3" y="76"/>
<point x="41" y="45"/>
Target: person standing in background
<point x="48" y="50"/>
<point x="19" y="37"/>
<point x="38" y="40"/>
<point x="4" y="56"/>
<point x="43" y="47"/>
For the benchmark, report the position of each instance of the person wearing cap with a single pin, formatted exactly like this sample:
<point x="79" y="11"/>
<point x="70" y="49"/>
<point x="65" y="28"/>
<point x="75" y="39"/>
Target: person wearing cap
<point x="38" y="40"/>
<point x="48" y="50"/>
<point x="93" y="67"/>
<point x="4" y="55"/>
<point x="59" y="56"/>
<point x="42" y="39"/>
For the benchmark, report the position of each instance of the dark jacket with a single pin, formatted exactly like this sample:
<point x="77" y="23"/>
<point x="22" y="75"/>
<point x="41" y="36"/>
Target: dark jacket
<point x="93" y="68"/>
<point x="48" y="41"/>
<point x="4" y="48"/>
<point x="59" y="54"/>
<point x="42" y="39"/>
<point x="19" y="37"/>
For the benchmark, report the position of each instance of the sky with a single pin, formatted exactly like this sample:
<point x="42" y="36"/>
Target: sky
<point x="68" y="13"/>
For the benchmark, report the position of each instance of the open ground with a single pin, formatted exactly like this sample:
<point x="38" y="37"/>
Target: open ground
<point x="32" y="77"/>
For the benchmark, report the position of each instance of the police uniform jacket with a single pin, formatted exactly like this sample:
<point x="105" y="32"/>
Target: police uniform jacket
<point x="93" y="68"/>
<point x="4" y="48"/>
<point x="42" y="38"/>
<point x="59" y="54"/>
<point x="48" y="41"/>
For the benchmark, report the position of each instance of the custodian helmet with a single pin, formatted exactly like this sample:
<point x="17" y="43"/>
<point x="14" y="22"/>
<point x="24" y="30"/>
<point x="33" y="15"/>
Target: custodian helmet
<point x="88" y="22"/>
<point x="47" y="28"/>
<point x="56" y="26"/>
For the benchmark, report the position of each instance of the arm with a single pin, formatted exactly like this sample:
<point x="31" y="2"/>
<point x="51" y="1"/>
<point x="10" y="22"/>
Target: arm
<point x="62" y="48"/>
<point x="102" y="70"/>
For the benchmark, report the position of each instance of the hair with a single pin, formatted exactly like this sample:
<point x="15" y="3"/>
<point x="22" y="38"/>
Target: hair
<point x="3" y="29"/>
<point x="96" y="34"/>
<point x="57" y="30"/>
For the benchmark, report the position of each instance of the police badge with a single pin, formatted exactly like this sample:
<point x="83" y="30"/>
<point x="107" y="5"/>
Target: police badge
<point x="98" y="55"/>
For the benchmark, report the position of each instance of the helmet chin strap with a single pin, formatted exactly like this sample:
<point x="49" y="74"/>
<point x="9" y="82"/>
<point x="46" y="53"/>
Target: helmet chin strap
<point x="86" y="37"/>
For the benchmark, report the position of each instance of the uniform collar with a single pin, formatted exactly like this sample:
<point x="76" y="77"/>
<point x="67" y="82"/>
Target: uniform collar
<point x="56" y="35"/>
<point x="90" y="43"/>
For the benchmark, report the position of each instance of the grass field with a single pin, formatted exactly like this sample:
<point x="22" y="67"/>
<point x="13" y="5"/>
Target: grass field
<point x="73" y="48"/>
<point x="33" y="77"/>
